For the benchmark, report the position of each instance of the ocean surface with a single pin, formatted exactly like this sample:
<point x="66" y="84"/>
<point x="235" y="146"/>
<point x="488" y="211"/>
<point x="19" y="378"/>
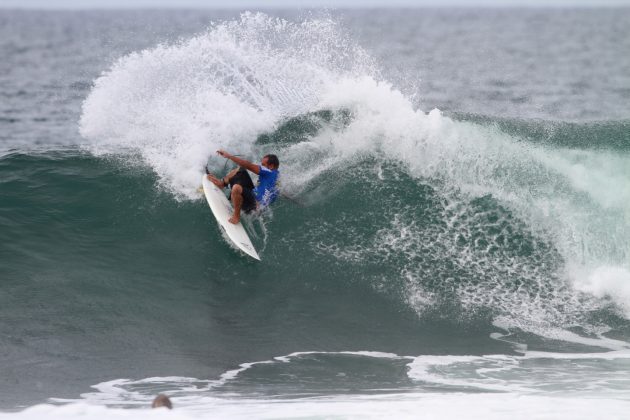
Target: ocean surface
<point x="453" y="241"/>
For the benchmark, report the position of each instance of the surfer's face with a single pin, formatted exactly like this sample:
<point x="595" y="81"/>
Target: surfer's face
<point x="270" y="162"/>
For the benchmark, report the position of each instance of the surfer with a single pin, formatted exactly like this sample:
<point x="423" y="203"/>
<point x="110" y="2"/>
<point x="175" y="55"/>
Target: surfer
<point x="162" y="401"/>
<point x="244" y="195"/>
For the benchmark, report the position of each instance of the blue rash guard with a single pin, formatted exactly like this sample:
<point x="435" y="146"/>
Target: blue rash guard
<point x="267" y="190"/>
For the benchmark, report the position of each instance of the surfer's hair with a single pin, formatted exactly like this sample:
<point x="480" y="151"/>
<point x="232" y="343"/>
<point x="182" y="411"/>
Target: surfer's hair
<point x="162" y="401"/>
<point x="273" y="160"/>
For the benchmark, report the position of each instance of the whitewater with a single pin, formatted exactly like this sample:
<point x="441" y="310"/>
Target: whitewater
<point x="446" y="262"/>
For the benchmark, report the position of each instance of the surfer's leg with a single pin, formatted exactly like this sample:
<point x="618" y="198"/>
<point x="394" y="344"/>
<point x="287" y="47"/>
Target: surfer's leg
<point x="216" y="181"/>
<point x="225" y="181"/>
<point x="237" y="201"/>
<point x="239" y="176"/>
<point x="230" y="175"/>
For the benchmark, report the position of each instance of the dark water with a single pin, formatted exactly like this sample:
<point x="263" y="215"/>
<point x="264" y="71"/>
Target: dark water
<point x="497" y="227"/>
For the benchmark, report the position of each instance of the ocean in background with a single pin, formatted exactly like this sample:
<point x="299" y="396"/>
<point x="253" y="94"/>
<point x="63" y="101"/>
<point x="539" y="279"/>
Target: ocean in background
<point x="456" y="243"/>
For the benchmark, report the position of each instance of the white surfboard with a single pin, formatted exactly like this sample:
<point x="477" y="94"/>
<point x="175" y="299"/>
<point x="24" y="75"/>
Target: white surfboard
<point x="222" y="210"/>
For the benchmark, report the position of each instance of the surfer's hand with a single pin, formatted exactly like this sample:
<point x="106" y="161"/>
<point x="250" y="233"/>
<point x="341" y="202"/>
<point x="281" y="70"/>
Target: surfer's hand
<point x="223" y="153"/>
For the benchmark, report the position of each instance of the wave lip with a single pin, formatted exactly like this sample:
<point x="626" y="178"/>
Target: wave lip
<point x="176" y="104"/>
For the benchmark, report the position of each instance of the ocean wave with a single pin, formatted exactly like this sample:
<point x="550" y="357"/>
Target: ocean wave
<point x="460" y="217"/>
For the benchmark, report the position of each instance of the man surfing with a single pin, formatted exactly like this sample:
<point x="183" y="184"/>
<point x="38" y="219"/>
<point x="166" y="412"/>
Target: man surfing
<point x="244" y="195"/>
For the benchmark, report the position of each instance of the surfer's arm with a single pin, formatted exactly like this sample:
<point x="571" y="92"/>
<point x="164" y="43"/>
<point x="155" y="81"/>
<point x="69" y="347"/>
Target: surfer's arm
<point x="252" y="167"/>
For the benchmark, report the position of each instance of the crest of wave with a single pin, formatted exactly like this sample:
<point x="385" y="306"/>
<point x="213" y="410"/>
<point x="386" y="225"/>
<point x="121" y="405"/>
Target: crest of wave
<point x="534" y="232"/>
<point x="174" y="105"/>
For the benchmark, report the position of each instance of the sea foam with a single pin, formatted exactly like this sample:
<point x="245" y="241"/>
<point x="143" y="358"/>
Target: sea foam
<point x="488" y="386"/>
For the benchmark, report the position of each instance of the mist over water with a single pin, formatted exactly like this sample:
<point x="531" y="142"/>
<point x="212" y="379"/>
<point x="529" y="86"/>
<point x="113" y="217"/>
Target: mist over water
<point x="430" y="251"/>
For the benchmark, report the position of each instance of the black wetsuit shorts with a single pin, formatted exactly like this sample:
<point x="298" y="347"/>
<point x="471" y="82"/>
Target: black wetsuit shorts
<point x="243" y="179"/>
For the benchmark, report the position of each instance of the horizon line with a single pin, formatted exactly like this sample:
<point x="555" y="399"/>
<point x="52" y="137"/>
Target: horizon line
<point x="319" y="7"/>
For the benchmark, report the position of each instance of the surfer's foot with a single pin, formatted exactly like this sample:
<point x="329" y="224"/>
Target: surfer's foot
<point x="216" y="181"/>
<point x="234" y="219"/>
